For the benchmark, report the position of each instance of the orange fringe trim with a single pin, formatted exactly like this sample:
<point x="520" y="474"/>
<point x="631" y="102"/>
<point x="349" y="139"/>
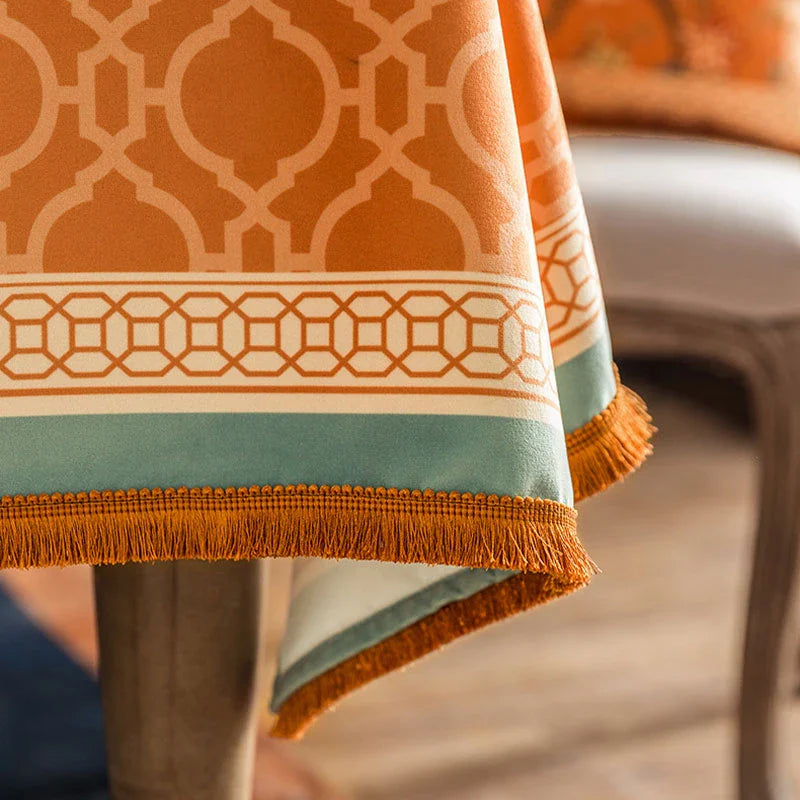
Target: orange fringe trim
<point x="521" y="533"/>
<point x="611" y="445"/>
<point x="492" y="604"/>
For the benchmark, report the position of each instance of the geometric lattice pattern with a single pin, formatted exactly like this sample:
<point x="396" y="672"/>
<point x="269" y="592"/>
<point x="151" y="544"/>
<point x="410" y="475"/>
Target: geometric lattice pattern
<point x="569" y="277"/>
<point x="567" y="265"/>
<point x="258" y="135"/>
<point x="495" y="335"/>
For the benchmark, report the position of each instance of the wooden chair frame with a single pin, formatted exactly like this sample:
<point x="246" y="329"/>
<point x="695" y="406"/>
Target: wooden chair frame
<point x="767" y="355"/>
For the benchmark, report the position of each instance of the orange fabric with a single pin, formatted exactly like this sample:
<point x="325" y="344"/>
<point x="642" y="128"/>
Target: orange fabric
<point x="294" y="136"/>
<point x="743" y="39"/>
<point x="169" y="152"/>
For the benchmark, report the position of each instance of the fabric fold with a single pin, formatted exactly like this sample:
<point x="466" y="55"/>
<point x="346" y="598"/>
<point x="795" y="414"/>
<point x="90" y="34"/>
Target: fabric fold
<point x="460" y="617"/>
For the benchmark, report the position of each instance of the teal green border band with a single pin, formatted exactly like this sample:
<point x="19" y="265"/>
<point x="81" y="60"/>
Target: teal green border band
<point x="586" y="384"/>
<point x="380" y="626"/>
<point x="417" y="451"/>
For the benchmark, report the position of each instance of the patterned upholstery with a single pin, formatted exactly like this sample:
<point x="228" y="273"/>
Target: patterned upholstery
<point x="727" y="66"/>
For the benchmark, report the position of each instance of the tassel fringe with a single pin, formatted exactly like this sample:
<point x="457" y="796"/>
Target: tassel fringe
<point x="611" y="445"/>
<point x="521" y="533"/>
<point x="497" y="602"/>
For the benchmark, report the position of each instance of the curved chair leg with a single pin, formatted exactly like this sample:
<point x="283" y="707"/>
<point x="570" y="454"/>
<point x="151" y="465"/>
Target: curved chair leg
<point x="769" y="356"/>
<point x="770" y="634"/>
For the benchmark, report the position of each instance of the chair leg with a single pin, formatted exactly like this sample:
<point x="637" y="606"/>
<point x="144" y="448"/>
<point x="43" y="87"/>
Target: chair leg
<point x="770" y="634"/>
<point x="769" y="355"/>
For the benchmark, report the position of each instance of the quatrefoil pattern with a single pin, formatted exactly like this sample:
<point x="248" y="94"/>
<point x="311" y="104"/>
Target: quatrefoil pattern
<point x="267" y="138"/>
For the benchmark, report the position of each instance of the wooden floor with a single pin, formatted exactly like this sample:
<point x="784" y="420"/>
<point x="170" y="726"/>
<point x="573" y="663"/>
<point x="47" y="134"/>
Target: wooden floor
<point x="621" y="692"/>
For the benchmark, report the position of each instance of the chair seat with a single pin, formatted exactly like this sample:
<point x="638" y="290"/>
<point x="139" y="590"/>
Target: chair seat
<point x="694" y="224"/>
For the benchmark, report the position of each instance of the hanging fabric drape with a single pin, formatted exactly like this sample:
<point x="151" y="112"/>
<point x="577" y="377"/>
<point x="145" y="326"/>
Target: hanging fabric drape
<point x="305" y="278"/>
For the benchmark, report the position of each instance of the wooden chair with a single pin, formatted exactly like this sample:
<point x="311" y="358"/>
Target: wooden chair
<point x="699" y="248"/>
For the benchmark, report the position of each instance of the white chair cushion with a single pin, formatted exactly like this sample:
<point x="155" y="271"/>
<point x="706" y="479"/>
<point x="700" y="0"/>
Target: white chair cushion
<point x="694" y="223"/>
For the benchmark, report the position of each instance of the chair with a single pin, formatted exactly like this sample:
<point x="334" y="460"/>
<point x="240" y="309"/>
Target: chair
<point x="699" y="248"/>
